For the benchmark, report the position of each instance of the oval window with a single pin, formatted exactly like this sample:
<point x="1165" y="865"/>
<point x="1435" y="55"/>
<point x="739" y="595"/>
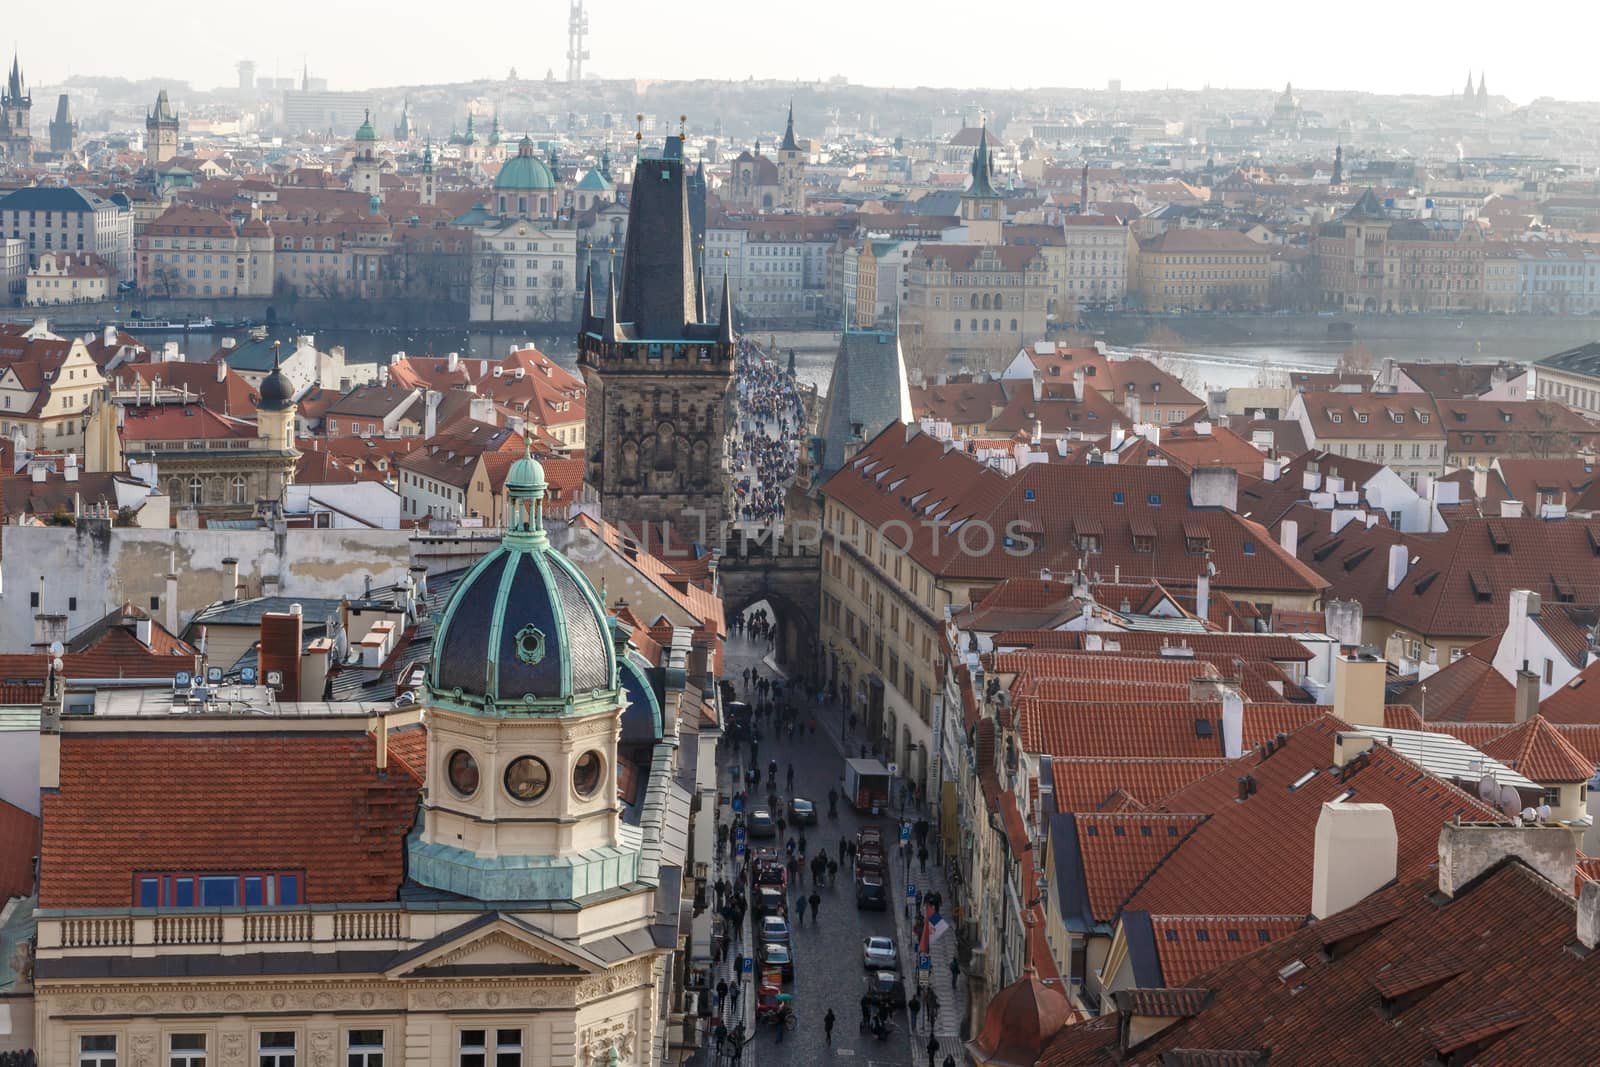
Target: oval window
<point x="527" y="778"/>
<point x="587" y="772"/>
<point x="462" y="771"/>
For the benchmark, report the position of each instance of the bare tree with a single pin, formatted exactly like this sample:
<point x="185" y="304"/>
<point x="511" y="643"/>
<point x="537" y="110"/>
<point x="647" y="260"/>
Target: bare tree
<point x="1355" y="359"/>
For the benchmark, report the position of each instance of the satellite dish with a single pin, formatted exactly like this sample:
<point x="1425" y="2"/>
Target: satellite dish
<point x="56" y="648"/>
<point x="181" y="680"/>
<point x="1528" y="814"/>
<point x="405" y="700"/>
<point x="1509" y="802"/>
<point x="213" y="675"/>
<point x="247" y="675"/>
<point x="275" y="679"/>
<point x="1544" y="813"/>
<point x="1487" y="789"/>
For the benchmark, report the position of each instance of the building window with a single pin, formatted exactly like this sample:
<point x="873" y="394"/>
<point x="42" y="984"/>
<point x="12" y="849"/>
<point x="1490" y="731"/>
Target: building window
<point x="196" y="489"/>
<point x="474" y="1049"/>
<point x="97" y="1050"/>
<point x="276" y="1049"/>
<point x="365" y="1049"/>
<point x="238" y="488"/>
<point x="216" y="890"/>
<point x="187" y="1050"/>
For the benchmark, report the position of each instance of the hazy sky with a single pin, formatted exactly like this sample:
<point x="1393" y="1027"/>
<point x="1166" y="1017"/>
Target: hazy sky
<point x="1383" y="47"/>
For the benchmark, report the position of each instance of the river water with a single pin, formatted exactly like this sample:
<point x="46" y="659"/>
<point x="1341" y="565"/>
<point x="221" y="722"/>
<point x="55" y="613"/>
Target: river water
<point x="1202" y="366"/>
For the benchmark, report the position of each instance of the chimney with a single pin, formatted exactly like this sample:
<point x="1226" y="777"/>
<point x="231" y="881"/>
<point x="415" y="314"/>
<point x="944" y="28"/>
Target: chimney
<point x="1289" y="536"/>
<point x="1270" y="471"/>
<point x="430" y="420"/>
<point x="1348" y="744"/>
<point x="1399" y="560"/>
<point x="1232" y="724"/>
<point x="1589" y="915"/>
<point x="1358" y="694"/>
<point x="452" y="362"/>
<point x="314" y="668"/>
<point x="69" y="469"/>
<point x="230" y="578"/>
<point x="1357" y="853"/>
<point x="1202" y="596"/>
<point x="483" y="369"/>
<point x="170" y="602"/>
<point x="280" y="651"/>
<point x="109" y="338"/>
<point x="380" y="740"/>
<point x="481" y="409"/>
<point x="144" y="629"/>
<point x="1077" y="384"/>
<point x="222" y="370"/>
<point x="1214" y="487"/>
<point x="1527" y="698"/>
<point x="1468" y="850"/>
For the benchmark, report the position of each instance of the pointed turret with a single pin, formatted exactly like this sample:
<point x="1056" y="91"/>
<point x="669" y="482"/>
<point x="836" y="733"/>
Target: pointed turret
<point x="1467" y="92"/>
<point x="16" y="90"/>
<point x="700" y="284"/>
<point x="725" y="320"/>
<point x="789" y="144"/>
<point x="427" y="158"/>
<point x="588" y="297"/>
<point x="1483" y="88"/>
<point x="610" y="332"/>
<point x="982" y="168"/>
<point x="1338" y="166"/>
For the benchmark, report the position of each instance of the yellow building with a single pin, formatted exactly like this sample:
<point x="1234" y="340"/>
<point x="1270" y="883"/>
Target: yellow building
<point x="1202" y="269"/>
<point x="69" y="278"/>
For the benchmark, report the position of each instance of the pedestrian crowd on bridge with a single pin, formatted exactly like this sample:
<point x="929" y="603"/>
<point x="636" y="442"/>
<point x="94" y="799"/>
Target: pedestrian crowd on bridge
<point x="769" y="400"/>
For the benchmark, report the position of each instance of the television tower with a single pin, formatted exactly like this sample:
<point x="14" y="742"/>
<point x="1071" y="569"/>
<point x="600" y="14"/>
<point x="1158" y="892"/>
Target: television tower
<point x="577" y="30"/>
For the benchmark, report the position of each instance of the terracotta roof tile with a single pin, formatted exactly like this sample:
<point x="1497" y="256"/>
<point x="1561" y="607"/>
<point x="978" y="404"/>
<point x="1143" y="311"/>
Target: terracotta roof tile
<point x="309" y="802"/>
<point x="1119" y="851"/>
<point x="1537" y="750"/>
<point x="1191" y="945"/>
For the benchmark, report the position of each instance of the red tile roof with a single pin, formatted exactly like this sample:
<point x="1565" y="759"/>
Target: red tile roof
<point x="309" y="802"/>
<point x="19" y="843"/>
<point x="1537" y="750"/>
<point x="1191" y="945"/>
<point x="1119" y="852"/>
<point x="1085" y="783"/>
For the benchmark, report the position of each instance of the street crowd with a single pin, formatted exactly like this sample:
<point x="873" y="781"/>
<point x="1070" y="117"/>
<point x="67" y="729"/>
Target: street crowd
<point x="768" y="400"/>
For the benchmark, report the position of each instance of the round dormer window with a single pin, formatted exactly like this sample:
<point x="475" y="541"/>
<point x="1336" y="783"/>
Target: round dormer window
<point x="587" y="773"/>
<point x="527" y="778"/>
<point x="462" y="770"/>
<point x="530" y="644"/>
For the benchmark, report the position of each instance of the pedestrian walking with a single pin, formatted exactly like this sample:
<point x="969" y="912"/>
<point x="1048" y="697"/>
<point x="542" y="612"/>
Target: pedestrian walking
<point x="913" y="1006"/>
<point x="930" y="1004"/>
<point x="719" y="1035"/>
<point x="933" y="1047"/>
<point x="955" y="970"/>
<point x="949" y="1061"/>
<point x="866" y="1010"/>
<point x="922" y="858"/>
<point x="816" y="901"/>
<point x="827" y="1027"/>
<point x="722" y="993"/>
<point x="733" y="998"/>
<point x="833" y="872"/>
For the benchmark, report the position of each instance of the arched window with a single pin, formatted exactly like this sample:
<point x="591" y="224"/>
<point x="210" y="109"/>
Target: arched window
<point x="985" y="325"/>
<point x="985" y="301"/>
<point x="502" y="203"/>
<point x="238" y="488"/>
<point x="958" y="326"/>
<point x="522" y="205"/>
<point x="999" y="301"/>
<point x="973" y="325"/>
<point x="544" y="206"/>
<point x="1013" y="325"/>
<point x="197" y="490"/>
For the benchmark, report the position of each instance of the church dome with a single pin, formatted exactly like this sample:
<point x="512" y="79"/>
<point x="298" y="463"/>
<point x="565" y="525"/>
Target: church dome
<point x="1020" y="1021"/>
<point x="524" y="631"/>
<point x="366" y="132"/>
<point x="277" y="392"/>
<point x="524" y="172"/>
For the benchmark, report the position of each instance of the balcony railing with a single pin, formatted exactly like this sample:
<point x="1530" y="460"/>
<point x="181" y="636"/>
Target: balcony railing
<point x="225" y="926"/>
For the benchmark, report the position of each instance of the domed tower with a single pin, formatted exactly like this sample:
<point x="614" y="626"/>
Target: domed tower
<point x="524" y="700"/>
<point x="365" y="169"/>
<point x="525" y="188"/>
<point x="1021" y="1019"/>
<point x="276" y="411"/>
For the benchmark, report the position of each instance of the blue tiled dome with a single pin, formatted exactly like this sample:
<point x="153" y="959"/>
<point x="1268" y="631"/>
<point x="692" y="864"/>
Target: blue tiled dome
<point x="524" y="631"/>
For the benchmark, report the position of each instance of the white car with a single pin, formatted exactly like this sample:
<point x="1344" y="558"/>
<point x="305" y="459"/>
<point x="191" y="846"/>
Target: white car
<point x="877" y="953"/>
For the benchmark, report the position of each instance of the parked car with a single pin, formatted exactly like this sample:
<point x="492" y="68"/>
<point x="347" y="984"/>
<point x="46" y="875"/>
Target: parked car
<point x="770" y="901"/>
<point x="886" y="988"/>
<point x="761" y="824"/>
<point x="774" y="929"/>
<point x="870" y="893"/>
<point x="776" y="956"/>
<point x="802" y="812"/>
<point x="878" y="954"/>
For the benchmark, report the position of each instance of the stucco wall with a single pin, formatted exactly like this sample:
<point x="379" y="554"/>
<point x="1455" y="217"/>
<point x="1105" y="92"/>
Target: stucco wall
<point x="102" y="567"/>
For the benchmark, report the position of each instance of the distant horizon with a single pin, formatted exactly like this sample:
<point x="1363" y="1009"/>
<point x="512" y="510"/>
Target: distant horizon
<point x="1253" y="41"/>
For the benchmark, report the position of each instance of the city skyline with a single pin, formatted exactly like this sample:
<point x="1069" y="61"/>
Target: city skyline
<point x="1251" y="46"/>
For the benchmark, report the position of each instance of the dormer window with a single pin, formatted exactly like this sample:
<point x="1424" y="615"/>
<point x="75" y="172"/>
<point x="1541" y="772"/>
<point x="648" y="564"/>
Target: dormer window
<point x="1361" y="416"/>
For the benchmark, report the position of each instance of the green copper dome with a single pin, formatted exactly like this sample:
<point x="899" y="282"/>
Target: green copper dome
<point x="524" y="172"/>
<point x="366" y="132"/>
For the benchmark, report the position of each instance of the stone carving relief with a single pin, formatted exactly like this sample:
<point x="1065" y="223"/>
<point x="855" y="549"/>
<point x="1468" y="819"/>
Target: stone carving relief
<point x="142" y="1049"/>
<point x="321" y="1042"/>
<point x="595" y="1042"/>
<point x="233" y="1049"/>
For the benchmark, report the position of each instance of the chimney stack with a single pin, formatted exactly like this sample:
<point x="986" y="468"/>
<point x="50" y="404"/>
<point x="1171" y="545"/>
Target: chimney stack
<point x="1232" y="724"/>
<point x="1399" y="561"/>
<point x="1357" y="853"/>
<point x="1467" y="850"/>
<point x="1358" y="689"/>
<point x="230" y="578"/>
<point x="1289" y="535"/>
<point x="1527" y="698"/>
<point x="170" y="602"/>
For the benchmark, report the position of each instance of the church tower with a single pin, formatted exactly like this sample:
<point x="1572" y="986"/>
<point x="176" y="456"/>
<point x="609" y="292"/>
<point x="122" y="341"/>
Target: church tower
<point x="658" y="371"/>
<point x="365" y="168"/>
<point x="981" y="207"/>
<point x="16" y="109"/>
<point x="791" y="169"/>
<point x="160" y="132"/>
<point x="63" y="129"/>
<point x="430" y="190"/>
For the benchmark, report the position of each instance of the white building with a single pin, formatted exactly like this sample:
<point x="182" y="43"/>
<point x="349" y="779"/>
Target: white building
<point x="62" y="219"/>
<point x="525" y="260"/>
<point x="69" y="278"/>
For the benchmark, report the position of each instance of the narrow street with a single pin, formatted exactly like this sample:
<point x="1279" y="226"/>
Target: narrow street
<point x="828" y="953"/>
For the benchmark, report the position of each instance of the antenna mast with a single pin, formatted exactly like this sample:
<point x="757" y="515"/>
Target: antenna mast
<point x="577" y="30"/>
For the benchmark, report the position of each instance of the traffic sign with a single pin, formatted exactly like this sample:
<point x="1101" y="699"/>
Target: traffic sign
<point x="749" y="965"/>
<point x="894" y="770"/>
<point x="911" y="891"/>
<point x="924" y="962"/>
<point x="738" y="850"/>
<point x="738" y="805"/>
<point x="905" y="833"/>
